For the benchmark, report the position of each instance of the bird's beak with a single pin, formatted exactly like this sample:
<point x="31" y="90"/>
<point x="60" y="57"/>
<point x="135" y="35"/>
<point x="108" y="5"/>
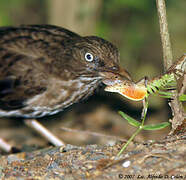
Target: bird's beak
<point x="124" y="73"/>
<point x="111" y="77"/>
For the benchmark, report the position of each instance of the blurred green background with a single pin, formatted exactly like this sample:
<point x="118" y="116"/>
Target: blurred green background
<point x="132" y="25"/>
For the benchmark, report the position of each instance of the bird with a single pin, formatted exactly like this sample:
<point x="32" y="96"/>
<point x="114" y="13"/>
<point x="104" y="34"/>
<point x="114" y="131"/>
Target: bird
<point x="45" y="69"/>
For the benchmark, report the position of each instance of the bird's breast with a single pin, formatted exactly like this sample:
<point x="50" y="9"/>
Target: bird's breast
<point x="59" y="95"/>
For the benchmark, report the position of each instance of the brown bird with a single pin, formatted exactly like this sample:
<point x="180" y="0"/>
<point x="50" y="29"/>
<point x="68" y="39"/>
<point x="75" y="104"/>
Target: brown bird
<point x="45" y="68"/>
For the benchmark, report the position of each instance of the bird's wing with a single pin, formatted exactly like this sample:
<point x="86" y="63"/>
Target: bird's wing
<point x="26" y="56"/>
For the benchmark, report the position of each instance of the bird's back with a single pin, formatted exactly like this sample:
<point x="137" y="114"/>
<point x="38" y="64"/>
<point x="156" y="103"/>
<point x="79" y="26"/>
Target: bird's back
<point x="26" y="57"/>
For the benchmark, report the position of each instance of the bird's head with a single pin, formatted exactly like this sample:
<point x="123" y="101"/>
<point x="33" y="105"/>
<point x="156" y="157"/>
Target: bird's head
<point x="99" y="58"/>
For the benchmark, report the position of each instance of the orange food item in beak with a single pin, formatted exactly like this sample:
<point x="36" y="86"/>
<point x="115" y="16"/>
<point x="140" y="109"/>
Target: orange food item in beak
<point x="134" y="93"/>
<point x="122" y="83"/>
<point x="131" y="90"/>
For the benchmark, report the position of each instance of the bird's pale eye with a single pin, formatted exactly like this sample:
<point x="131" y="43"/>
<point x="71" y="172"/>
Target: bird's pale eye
<point x="89" y="57"/>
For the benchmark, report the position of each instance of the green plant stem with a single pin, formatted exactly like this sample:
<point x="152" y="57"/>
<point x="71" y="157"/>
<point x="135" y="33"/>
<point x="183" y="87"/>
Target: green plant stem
<point x="145" y="107"/>
<point x="131" y="138"/>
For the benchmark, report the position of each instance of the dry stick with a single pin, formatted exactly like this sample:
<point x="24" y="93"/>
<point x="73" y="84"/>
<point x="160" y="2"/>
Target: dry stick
<point x="96" y="134"/>
<point x="176" y="106"/>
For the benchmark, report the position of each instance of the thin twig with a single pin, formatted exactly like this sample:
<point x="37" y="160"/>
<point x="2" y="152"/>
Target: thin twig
<point x="164" y="32"/>
<point x="183" y="88"/>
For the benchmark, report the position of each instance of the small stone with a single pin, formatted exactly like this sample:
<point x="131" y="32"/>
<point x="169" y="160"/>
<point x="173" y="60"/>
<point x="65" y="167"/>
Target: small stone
<point x="126" y="164"/>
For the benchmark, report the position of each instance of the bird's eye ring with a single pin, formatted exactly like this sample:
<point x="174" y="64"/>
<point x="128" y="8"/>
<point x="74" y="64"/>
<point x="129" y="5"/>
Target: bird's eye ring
<point x="89" y="57"/>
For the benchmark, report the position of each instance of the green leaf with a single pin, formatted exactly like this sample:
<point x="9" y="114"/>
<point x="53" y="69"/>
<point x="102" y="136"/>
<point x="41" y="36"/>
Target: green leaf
<point x="156" y="126"/>
<point x="165" y="93"/>
<point x="165" y="97"/>
<point x="182" y="97"/>
<point x="131" y="120"/>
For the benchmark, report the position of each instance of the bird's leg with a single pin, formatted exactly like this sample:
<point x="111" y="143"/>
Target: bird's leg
<point x="144" y="111"/>
<point x="5" y="146"/>
<point x="144" y="108"/>
<point x="34" y="124"/>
